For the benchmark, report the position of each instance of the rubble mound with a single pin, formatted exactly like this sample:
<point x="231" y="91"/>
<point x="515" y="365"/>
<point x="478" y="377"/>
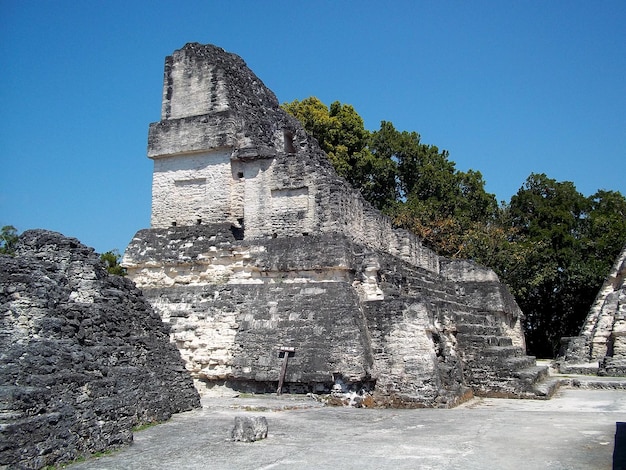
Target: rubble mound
<point x="83" y="357"/>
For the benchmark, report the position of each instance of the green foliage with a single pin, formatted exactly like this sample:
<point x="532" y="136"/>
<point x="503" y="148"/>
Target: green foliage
<point x="433" y="199"/>
<point x="413" y="182"/>
<point x="570" y="242"/>
<point x="496" y="244"/>
<point x="111" y="260"/>
<point x="341" y="134"/>
<point x="8" y="240"/>
<point x="550" y="244"/>
<point x="605" y="225"/>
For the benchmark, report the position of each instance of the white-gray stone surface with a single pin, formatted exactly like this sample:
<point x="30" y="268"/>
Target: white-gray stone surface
<point x="573" y="431"/>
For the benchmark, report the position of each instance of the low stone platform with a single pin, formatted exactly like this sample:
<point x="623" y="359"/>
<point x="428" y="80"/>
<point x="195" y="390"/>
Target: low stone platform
<point x="574" y="430"/>
<point x="584" y="378"/>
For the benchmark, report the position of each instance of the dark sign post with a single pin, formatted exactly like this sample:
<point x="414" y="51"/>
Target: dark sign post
<point x="286" y="352"/>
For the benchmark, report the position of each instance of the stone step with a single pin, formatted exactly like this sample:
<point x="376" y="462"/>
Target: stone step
<point x="477" y="340"/>
<point x="431" y="291"/>
<point x="474" y="318"/>
<point x="532" y="373"/>
<point x="547" y="387"/>
<point x="452" y="304"/>
<point x="503" y="351"/>
<point x="514" y="376"/>
<point x="500" y="388"/>
<point x="519" y="362"/>
<point x="483" y="375"/>
<point x="477" y="329"/>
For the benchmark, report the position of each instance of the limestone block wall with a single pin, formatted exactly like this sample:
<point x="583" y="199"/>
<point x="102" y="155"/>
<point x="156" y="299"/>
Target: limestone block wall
<point x="187" y="79"/>
<point x="195" y="134"/>
<point x="231" y="335"/>
<point x="344" y="210"/>
<point x="193" y="188"/>
<point x="466" y="271"/>
<point x="415" y="355"/>
<point x="230" y="323"/>
<point x="210" y="254"/>
<point x="278" y="201"/>
<point x="352" y="314"/>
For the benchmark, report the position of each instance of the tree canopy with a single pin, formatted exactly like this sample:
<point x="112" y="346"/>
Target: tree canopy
<point x="571" y="242"/>
<point x="550" y="244"/>
<point x="8" y="239"/>
<point x="414" y="183"/>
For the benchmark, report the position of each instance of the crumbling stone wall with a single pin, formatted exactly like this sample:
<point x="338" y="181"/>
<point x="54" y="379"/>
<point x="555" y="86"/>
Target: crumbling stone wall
<point x="83" y="357"/>
<point x="601" y="346"/>
<point x="257" y="245"/>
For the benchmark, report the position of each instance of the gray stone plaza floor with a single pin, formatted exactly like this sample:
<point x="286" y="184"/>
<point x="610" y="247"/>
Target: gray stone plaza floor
<point x="573" y="430"/>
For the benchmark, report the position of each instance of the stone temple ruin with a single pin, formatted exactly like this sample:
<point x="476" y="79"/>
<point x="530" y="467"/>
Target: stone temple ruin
<point x="269" y="267"/>
<point x="601" y="346"/>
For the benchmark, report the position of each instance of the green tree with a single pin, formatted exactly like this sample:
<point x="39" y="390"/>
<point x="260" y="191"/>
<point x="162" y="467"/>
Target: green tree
<point x="340" y="131"/>
<point x="605" y="225"/>
<point x="497" y="244"/>
<point x="111" y="260"/>
<point x="572" y="241"/>
<point x="8" y="240"/>
<point x="433" y="199"/>
<point x="414" y="183"/>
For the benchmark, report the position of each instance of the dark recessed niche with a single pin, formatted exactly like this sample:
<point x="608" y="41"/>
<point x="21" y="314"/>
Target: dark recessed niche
<point x="288" y="140"/>
<point x="238" y="232"/>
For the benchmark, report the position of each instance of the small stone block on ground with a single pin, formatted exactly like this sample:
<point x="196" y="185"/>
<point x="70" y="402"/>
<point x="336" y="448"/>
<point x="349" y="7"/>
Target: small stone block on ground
<point x="249" y="428"/>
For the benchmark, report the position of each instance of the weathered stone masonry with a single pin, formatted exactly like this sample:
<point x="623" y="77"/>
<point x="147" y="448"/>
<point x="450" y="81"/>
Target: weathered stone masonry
<point x="235" y="156"/>
<point x="83" y="357"/>
<point x="257" y="244"/>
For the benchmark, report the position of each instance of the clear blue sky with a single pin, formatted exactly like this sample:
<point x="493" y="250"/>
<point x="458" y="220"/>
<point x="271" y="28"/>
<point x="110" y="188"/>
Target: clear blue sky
<point x="508" y="87"/>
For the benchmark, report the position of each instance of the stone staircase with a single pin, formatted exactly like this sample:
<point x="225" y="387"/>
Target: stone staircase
<point x="494" y="367"/>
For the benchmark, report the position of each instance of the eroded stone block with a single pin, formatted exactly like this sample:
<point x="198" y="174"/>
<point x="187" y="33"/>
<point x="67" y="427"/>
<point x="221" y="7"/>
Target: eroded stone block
<point x="249" y="428"/>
